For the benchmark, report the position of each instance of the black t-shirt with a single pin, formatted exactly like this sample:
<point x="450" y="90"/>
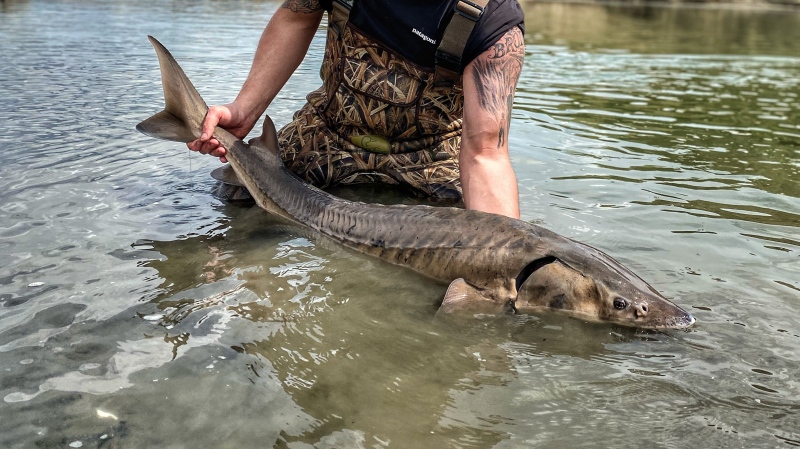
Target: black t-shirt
<point x="414" y="28"/>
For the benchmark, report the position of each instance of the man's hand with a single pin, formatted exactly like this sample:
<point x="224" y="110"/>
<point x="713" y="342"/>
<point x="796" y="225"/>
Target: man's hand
<point x="228" y="117"/>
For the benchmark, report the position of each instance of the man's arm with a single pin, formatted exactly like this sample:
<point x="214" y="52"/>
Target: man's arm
<point x="282" y="47"/>
<point x="487" y="179"/>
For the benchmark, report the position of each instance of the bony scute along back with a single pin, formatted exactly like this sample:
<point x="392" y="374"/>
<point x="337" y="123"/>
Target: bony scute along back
<point x="517" y="266"/>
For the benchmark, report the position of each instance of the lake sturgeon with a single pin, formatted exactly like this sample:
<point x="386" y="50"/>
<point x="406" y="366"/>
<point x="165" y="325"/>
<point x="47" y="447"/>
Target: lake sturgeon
<point x="491" y="262"/>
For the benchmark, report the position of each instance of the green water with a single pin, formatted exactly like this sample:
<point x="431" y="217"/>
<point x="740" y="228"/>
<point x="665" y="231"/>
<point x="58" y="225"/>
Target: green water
<point x="138" y="311"/>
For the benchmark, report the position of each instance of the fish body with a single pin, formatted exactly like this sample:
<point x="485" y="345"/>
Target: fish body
<point x="490" y="261"/>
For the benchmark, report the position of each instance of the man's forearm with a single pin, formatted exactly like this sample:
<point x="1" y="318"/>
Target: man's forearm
<point x="489" y="183"/>
<point x="281" y="49"/>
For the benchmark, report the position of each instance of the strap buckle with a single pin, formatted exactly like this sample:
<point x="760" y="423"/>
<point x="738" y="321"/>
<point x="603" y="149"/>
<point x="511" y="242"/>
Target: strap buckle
<point x="468" y="10"/>
<point x="448" y="61"/>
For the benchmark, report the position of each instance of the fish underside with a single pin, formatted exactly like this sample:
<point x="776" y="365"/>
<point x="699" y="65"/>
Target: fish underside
<point x="491" y="262"/>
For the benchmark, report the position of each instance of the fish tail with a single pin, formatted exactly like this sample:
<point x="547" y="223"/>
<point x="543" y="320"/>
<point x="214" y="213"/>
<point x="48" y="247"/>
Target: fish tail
<point x="184" y="110"/>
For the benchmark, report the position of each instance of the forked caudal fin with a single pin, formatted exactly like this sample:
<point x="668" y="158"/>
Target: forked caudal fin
<point x="182" y="121"/>
<point x="182" y="117"/>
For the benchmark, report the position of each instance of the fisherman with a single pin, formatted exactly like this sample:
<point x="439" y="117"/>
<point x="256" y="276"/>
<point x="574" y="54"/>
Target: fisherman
<point x="415" y="93"/>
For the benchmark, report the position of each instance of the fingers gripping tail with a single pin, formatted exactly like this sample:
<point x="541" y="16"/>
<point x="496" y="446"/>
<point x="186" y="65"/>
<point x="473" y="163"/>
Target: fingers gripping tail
<point x="182" y="117"/>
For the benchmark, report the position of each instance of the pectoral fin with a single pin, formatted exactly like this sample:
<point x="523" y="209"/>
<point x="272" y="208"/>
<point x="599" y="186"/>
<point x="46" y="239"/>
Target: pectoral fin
<point x="463" y="297"/>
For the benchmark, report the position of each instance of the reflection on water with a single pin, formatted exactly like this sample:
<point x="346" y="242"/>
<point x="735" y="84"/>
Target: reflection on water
<point x="137" y="311"/>
<point x="660" y="29"/>
<point x="328" y="347"/>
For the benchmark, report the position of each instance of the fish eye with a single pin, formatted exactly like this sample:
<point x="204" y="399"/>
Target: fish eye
<point x="620" y="303"/>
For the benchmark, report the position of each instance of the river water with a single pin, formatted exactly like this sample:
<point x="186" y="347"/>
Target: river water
<point x="136" y="310"/>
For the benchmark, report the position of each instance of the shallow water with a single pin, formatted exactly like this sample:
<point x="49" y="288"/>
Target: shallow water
<point x="138" y="311"/>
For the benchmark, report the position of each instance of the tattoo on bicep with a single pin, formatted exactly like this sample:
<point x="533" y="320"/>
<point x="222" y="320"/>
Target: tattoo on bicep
<point x="511" y="43"/>
<point x="495" y="74"/>
<point x="302" y="6"/>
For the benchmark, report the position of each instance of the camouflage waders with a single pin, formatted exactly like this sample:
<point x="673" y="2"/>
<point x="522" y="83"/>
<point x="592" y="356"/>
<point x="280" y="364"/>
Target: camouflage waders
<point x="377" y="118"/>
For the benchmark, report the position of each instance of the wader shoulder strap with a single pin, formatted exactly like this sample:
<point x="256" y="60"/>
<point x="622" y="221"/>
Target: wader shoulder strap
<point x="448" y="56"/>
<point x="340" y="14"/>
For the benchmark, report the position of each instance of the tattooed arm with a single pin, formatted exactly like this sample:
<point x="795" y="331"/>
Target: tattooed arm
<point x="487" y="179"/>
<point x="282" y="47"/>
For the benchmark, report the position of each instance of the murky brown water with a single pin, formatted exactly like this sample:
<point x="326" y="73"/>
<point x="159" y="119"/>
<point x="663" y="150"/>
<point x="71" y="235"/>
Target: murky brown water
<point x="138" y="311"/>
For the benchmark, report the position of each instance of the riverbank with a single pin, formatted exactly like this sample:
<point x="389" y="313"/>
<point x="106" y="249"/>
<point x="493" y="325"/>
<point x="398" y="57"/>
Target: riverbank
<point x="778" y="5"/>
<point x="626" y="27"/>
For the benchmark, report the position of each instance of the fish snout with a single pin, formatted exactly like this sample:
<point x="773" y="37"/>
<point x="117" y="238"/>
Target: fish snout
<point x="660" y="314"/>
<point x="687" y="320"/>
<point x="679" y="320"/>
